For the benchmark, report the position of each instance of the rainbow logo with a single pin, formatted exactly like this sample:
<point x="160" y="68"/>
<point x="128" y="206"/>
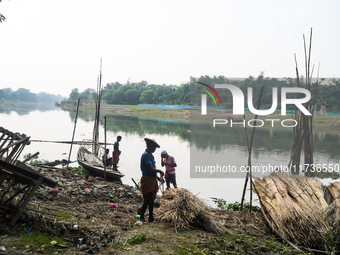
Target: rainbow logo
<point x="208" y="92"/>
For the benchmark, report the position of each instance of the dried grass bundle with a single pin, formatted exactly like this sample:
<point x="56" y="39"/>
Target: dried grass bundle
<point x="296" y="208"/>
<point x="185" y="209"/>
<point x="333" y="210"/>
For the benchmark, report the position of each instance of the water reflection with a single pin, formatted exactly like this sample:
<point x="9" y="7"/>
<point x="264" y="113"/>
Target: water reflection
<point x="270" y="145"/>
<point x="216" y="139"/>
<point x="140" y="126"/>
<point x="25" y="108"/>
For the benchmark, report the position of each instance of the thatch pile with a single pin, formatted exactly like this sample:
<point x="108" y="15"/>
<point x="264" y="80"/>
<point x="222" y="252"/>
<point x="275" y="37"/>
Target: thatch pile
<point x="185" y="209"/>
<point x="297" y="209"/>
<point x="332" y="195"/>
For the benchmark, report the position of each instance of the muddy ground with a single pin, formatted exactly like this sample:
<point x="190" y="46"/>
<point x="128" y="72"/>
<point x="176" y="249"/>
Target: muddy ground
<point x="81" y="219"/>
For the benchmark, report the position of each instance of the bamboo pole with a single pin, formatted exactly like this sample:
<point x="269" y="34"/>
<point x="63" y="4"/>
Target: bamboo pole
<point x="74" y="130"/>
<point x="105" y="157"/>
<point x="303" y="132"/>
<point x="136" y="185"/>
<point x="249" y="158"/>
<point x="247" y="175"/>
<point x="32" y="156"/>
<point x="67" y="142"/>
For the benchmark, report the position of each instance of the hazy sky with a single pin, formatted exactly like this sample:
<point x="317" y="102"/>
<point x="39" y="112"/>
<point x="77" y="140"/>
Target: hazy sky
<point x="55" y="46"/>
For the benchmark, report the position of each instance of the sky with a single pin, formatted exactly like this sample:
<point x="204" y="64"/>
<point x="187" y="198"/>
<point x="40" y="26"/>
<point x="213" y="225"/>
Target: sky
<point x="56" y="46"/>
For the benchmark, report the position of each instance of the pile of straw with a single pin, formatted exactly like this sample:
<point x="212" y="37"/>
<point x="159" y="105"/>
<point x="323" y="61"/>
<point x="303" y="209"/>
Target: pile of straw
<point x="185" y="209"/>
<point x="295" y="207"/>
<point x="332" y="194"/>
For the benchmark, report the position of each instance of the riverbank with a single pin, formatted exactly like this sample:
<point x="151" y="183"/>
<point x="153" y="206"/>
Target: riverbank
<point x="320" y="123"/>
<point x="80" y="220"/>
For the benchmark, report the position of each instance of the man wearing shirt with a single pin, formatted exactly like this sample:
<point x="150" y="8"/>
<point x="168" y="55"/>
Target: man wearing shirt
<point x="149" y="178"/>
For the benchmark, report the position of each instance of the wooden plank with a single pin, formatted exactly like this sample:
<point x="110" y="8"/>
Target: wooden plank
<point x="27" y="172"/>
<point x="22" y="207"/>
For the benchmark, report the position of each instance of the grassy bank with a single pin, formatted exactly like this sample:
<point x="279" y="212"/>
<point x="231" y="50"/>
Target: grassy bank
<point x="330" y="122"/>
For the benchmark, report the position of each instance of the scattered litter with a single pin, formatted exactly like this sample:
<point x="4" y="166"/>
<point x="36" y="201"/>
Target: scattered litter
<point x="53" y="192"/>
<point x="80" y="240"/>
<point x="28" y="231"/>
<point x="2" y="248"/>
<point x="113" y="205"/>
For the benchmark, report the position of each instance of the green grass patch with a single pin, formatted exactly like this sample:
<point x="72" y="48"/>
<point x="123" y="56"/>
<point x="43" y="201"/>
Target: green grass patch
<point x="187" y="248"/>
<point x="80" y="171"/>
<point x="38" y="242"/>
<point x="137" y="239"/>
<point x="236" y="206"/>
<point x="64" y="216"/>
<point x="35" y="160"/>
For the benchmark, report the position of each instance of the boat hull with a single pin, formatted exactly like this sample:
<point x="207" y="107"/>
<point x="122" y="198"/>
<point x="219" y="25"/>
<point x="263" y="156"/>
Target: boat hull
<point x="99" y="171"/>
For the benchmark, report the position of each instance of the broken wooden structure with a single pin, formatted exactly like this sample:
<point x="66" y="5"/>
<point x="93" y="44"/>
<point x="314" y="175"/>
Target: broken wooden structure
<point x="18" y="182"/>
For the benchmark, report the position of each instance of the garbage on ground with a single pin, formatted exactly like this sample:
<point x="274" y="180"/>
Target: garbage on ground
<point x="53" y="192"/>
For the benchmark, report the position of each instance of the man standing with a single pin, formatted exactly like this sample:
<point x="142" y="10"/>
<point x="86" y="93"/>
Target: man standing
<point x="170" y="164"/>
<point x="149" y="178"/>
<point x="116" y="152"/>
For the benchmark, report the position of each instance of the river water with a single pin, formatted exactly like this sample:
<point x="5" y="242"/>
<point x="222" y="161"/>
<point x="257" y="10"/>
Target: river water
<point x="273" y="146"/>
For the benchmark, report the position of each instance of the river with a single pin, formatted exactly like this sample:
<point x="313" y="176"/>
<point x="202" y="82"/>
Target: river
<point x="270" y="146"/>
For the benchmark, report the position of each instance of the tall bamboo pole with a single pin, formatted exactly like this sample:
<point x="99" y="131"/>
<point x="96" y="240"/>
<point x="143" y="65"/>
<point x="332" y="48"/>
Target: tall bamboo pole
<point x="74" y="130"/>
<point x="250" y="145"/>
<point x="303" y="132"/>
<point x="105" y="157"/>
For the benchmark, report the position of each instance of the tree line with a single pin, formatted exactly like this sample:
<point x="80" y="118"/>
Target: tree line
<point x="328" y="92"/>
<point x="136" y="93"/>
<point x="24" y="95"/>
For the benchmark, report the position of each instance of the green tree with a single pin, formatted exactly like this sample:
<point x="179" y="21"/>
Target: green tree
<point x="87" y="94"/>
<point x="110" y="86"/>
<point x="141" y="86"/>
<point x="148" y="97"/>
<point x="117" y="97"/>
<point x="113" y="96"/>
<point x="74" y="95"/>
<point x="25" y="95"/>
<point x="132" y="96"/>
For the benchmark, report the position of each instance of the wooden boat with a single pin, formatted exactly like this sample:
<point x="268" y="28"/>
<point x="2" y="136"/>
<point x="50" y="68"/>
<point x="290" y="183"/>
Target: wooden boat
<point x="92" y="161"/>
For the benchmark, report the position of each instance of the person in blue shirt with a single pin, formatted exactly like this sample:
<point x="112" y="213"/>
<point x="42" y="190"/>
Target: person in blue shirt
<point x="149" y="178"/>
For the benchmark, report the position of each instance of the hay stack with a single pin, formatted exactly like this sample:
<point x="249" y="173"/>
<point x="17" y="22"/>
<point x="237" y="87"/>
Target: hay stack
<point x="333" y="210"/>
<point x="295" y="206"/>
<point x="185" y="209"/>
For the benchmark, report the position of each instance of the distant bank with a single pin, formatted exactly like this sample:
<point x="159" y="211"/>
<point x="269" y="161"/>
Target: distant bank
<point x="329" y="122"/>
